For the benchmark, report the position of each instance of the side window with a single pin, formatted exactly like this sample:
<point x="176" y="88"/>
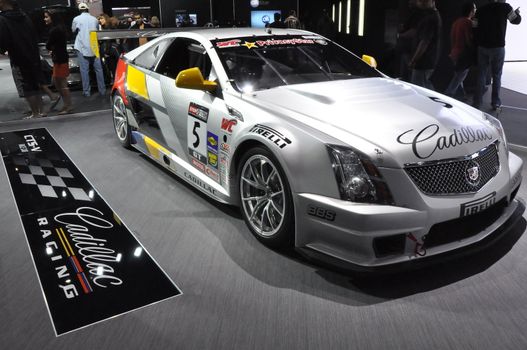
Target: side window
<point x="151" y="56"/>
<point x="183" y="54"/>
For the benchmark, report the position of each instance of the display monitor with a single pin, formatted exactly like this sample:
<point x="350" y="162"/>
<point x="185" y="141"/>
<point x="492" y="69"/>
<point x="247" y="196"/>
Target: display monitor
<point x="186" y="19"/>
<point x="127" y="12"/>
<point x="260" y="18"/>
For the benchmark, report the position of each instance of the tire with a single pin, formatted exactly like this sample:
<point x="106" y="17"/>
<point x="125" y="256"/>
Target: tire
<point x="120" y="121"/>
<point x="265" y="198"/>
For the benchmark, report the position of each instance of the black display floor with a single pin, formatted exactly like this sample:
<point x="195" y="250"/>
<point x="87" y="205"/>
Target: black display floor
<point x="238" y="294"/>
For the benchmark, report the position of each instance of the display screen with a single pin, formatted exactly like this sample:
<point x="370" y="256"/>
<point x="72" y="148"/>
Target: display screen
<point x="128" y="12"/>
<point x="186" y="19"/>
<point x="260" y="18"/>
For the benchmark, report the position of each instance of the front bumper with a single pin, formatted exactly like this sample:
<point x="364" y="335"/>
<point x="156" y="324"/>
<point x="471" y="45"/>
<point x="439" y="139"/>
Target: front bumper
<point x="370" y="236"/>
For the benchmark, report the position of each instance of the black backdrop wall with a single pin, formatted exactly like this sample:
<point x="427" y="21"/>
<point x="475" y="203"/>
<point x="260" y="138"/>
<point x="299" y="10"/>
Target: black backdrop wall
<point x="381" y="20"/>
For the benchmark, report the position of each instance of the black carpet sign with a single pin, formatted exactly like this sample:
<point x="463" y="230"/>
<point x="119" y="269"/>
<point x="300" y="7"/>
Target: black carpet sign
<point x="89" y="264"/>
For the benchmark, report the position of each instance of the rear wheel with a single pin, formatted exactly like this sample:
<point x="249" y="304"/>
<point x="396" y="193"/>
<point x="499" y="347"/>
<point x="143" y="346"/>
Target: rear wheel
<point x="265" y="196"/>
<point x="120" y="121"/>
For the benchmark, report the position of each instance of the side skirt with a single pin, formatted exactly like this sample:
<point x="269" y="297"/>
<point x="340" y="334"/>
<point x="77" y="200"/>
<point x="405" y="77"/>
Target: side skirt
<point x="178" y="166"/>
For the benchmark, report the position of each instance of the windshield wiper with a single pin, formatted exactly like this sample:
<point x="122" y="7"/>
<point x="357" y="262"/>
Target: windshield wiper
<point x="316" y="63"/>
<point x="272" y="67"/>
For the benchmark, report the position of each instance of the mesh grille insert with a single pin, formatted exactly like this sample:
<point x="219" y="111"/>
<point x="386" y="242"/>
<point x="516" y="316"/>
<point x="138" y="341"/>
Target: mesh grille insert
<point x="453" y="176"/>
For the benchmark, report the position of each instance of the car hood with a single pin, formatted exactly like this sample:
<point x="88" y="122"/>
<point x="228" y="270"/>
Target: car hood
<point x="393" y="122"/>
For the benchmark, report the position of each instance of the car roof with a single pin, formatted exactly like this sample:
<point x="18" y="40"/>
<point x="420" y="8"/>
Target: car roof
<point x="229" y="33"/>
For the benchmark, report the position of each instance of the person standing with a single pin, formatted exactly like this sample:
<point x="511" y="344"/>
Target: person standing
<point x="277" y="21"/>
<point x="59" y="55"/>
<point x="19" y="39"/>
<point x="491" y="28"/>
<point x="426" y="44"/>
<point x="462" y="52"/>
<point x="292" y="21"/>
<point x="83" y="24"/>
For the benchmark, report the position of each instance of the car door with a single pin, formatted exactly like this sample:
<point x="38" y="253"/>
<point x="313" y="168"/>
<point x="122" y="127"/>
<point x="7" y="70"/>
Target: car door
<point x="144" y="93"/>
<point x="194" y="114"/>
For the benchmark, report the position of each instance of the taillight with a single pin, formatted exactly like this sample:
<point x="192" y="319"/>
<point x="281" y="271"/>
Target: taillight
<point x="120" y="79"/>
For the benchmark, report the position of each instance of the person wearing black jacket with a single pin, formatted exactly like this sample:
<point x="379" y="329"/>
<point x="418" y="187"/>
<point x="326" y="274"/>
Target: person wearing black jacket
<point x="19" y="39"/>
<point x="59" y="55"/>
<point x="490" y="35"/>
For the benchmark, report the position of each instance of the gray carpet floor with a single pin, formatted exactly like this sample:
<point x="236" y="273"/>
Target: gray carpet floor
<point x="239" y="294"/>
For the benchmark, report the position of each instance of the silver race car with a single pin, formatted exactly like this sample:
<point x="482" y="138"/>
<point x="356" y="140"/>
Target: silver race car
<point x="317" y="147"/>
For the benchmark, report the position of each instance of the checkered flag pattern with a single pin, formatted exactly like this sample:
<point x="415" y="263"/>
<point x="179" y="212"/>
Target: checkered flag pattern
<point x="51" y="177"/>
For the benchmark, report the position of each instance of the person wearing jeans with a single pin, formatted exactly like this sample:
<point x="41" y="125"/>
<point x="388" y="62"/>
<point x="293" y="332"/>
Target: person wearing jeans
<point x="83" y="24"/>
<point x="84" y="66"/>
<point x="462" y="51"/>
<point x="426" y="44"/>
<point x="492" y="25"/>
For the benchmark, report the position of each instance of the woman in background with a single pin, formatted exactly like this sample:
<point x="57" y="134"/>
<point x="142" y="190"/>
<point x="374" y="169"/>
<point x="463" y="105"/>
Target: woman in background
<point x="59" y="55"/>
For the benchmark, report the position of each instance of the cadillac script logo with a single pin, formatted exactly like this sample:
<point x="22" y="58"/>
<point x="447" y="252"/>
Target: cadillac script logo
<point x="90" y="266"/>
<point x="473" y="173"/>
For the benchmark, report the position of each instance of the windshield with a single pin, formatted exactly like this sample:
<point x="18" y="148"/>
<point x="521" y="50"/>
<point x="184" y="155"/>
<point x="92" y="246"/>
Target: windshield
<point x="259" y="63"/>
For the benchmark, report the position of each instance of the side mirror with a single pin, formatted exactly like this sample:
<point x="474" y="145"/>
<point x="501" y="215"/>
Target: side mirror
<point x="192" y="79"/>
<point x="370" y="60"/>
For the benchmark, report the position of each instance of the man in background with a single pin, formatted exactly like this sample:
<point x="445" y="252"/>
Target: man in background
<point x="292" y="21"/>
<point x="277" y="21"/>
<point x="82" y="25"/>
<point x="426" y="46"/>
<point x="490" y="35"/>
<point x="19" y="39"/>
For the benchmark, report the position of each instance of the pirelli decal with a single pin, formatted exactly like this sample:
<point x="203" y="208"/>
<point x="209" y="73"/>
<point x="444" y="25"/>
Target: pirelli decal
<point x="478" y="205"/>
<point x="271" y="134"/>
<point x="90" y="266"/>
<point x="136" y="82"/>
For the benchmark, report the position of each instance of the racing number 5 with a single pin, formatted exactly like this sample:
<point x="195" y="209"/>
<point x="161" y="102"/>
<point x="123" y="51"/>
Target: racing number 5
<point x="194" y="132"/>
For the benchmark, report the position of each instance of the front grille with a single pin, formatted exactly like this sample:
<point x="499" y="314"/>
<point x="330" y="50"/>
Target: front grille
<point x="465" y="227"/>
<point x="451" y="177"/>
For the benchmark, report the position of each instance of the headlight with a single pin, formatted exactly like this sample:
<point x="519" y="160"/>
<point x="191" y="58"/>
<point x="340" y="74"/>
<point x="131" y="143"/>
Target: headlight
<point x="357" y="177"/>
<point x="496" y="124"/>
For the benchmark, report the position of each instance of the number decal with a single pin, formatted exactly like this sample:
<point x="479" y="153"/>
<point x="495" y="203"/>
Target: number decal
<point x="438" y="100"/>
<point x="196" y="126"/>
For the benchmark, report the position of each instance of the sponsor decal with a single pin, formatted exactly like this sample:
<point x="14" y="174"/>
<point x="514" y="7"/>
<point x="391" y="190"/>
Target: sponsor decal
<point x="269" y="42"/>
<point x="228" y="124"/>
<point x="224" y="168"/>
<point x="212" y="174"/>
<point x="294" y="41"/>
<point x="379" y="154"/>
<point x="225" y="147"/>
<point x="199" y="112"/>
<point x="213" y="159"/>
<point x="229" y="43"/>
<point x="197" y="156"/>
<point x="200" y="183"/>
<point x="271" y="134"/>
<point x="321" y="213"/>
<point x="212" y="142"/>
<point x="89" y="264"/>
<point x="249" y="45"/>
<point x="199" y="165"/>
<point x="478" y="205"/>
<point x="425" y="143"/>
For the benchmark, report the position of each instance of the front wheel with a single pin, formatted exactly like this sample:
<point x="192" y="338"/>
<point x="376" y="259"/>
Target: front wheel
<point x="265" y="196"/>
<point x="120" y="121"/>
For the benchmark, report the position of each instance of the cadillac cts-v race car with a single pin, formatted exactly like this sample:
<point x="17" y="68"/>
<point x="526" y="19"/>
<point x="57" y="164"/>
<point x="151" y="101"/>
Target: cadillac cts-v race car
<point x="317" y="147"/>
